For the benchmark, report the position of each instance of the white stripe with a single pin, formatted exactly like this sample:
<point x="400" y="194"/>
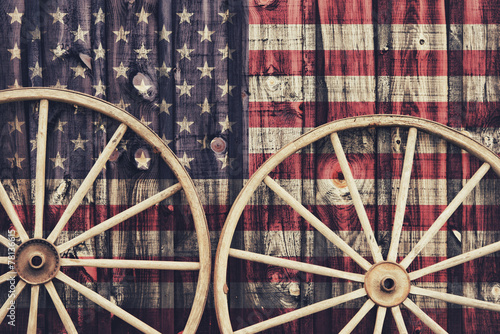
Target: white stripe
<point x="474" y="37"/>
<point x="413" y="88"/>
<point x="412" y="37"/>
<point x="474" y="89"/>
<point x="310" y="89"/>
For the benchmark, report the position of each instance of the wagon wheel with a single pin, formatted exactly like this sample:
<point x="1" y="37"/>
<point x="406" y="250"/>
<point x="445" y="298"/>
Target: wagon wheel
<point x="37" y="259"/>
<point x="387" y="283"/>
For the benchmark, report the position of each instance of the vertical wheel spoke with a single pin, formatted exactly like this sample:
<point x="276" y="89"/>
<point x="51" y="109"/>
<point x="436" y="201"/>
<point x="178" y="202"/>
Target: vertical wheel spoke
<point x="446" y="214"/>
<point x="398" y="318"/>
<point x="316" y="223"/>
<point x="11" y="212"/>
<point x="402" y="198"/>
<point x="379" y="322"/>
<point x="87" y="183"/>
<point x="41" y="150"/>
<point x="12" y="297"/>
<point x="434" y="326"/>
<point x="356" y="198"/>
<point x="456" y="260"/>
<point x="61" y="309"/>
<point x="106" y="304"/>
<point x="358" y="317"/>
<point x="302" y="312"/>
<point x="459" y="300"/>
<point x="32" y="320"/>
<point x="121" y="217"/>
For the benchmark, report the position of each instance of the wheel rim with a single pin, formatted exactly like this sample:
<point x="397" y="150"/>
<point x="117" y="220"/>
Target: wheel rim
<point x="394" y="274"/>
<point x="39" y="258"/>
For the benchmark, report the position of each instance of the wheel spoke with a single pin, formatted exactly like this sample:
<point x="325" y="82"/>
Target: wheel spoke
<point x="402" y="198"/>
<point x="11" y="212"/>
<point x="87" y="183"/>
<point x="131" y="264"/>
<point x="379" y="322"/>
<point x="106" y="304"/>
<point x="41" y="150"/>
<point x="7" y="276"/>
<point x="358" y="317"/>
<point x="459" y="300"/>
<point x="434" y="326"/>
<point x="456" y="260"/>
<point x="316" y="223"/>
<point x="4" y="241"/>
<point x="398" y="318"/>
<point x="121" y="217"/>
<point x="296" y="265"/>
<point x="32" y="320"/>
<point x="356" y="198"/>
<point x="61" y="309"/>
<point x="302" y="312"/>
<point x="445" y="215"/>
<point x="12" y="297"/>
<point x="4" y="260"/>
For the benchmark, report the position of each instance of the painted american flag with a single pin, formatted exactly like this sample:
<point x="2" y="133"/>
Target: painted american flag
<point x="226" y="83"/>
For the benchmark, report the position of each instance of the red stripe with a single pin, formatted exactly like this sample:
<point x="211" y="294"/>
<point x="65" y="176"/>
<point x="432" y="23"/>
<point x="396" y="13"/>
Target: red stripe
<point x="474" y="114"/>
<point x="474" y="12"/>
<point x="474" y="62"/>
<point x="411" y="12"/>
<point x="412" y="63"/>
<point x="309" y="62"/>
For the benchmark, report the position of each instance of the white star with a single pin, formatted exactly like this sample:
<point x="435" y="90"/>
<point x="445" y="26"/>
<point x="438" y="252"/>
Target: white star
<point x="206" y="34"/>
<point x="122" y="104"/>
<point x="185" y="161"/>
<point x="143" y="88"/>
<point x="164" y="70"/>
<point x="185" y="16"/>
<point x="37" y="71"/>
<point x="16" y="125"/>
<point x="80" y="34"/>
<point x="79" y="71"/>
<point x="226" y="89"/>
<point x="143" y="16"/>
<point x="100" y="89"/>
<point x="142" y="53"/>
<point x="100" y="52"/>
<point x="60" y="125"/>
<point x="226" y="161"/>
<point x="35" y="34"/>
<point x="16" y="161"/>
<point x="164" y="34"/>
<point x="58" y="161"/>
<point x="205" y="107"/>
<point x="142" y="161"/>
<point x="121" y="71"/>
<point x="15" y="52"/>
<point x="227" y="52"/>
<point x="143" y="121"/>
<point x="185" y="125"/>
<point x="58" y="52"/>
<point x="79" y="143"/>
<point x="99" y="16"/>
<point x="185" y="52"/>
<point x="59" y="86"/>
<point x="165" y="140"/>
<point x="58" y="16"/>
<point x="227" y="17"/>
<point x="121" y="35"/>
<point x="206" y="71"/>
<point x="185" y="88"/>
<point x="226" y="125"/>
<point x="15" y="16"/>
<point x="15" y="85"/>
<point x="203" y="142"/>
<point x="165" y="107"/>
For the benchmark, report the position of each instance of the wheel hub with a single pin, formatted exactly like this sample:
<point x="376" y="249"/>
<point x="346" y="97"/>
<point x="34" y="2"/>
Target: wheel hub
<point x="37" y="261"/>
<point x="387" y="284"/>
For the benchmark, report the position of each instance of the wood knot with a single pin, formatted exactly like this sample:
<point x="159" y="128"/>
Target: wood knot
<point x="218" y="145"/>
<point x="294" y="289"/>
<point x="267" y="4"/>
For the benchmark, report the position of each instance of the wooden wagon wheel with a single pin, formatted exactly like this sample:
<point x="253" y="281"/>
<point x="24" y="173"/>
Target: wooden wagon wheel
<point x="387" y="284"/>
<point x="37" y="258"/>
